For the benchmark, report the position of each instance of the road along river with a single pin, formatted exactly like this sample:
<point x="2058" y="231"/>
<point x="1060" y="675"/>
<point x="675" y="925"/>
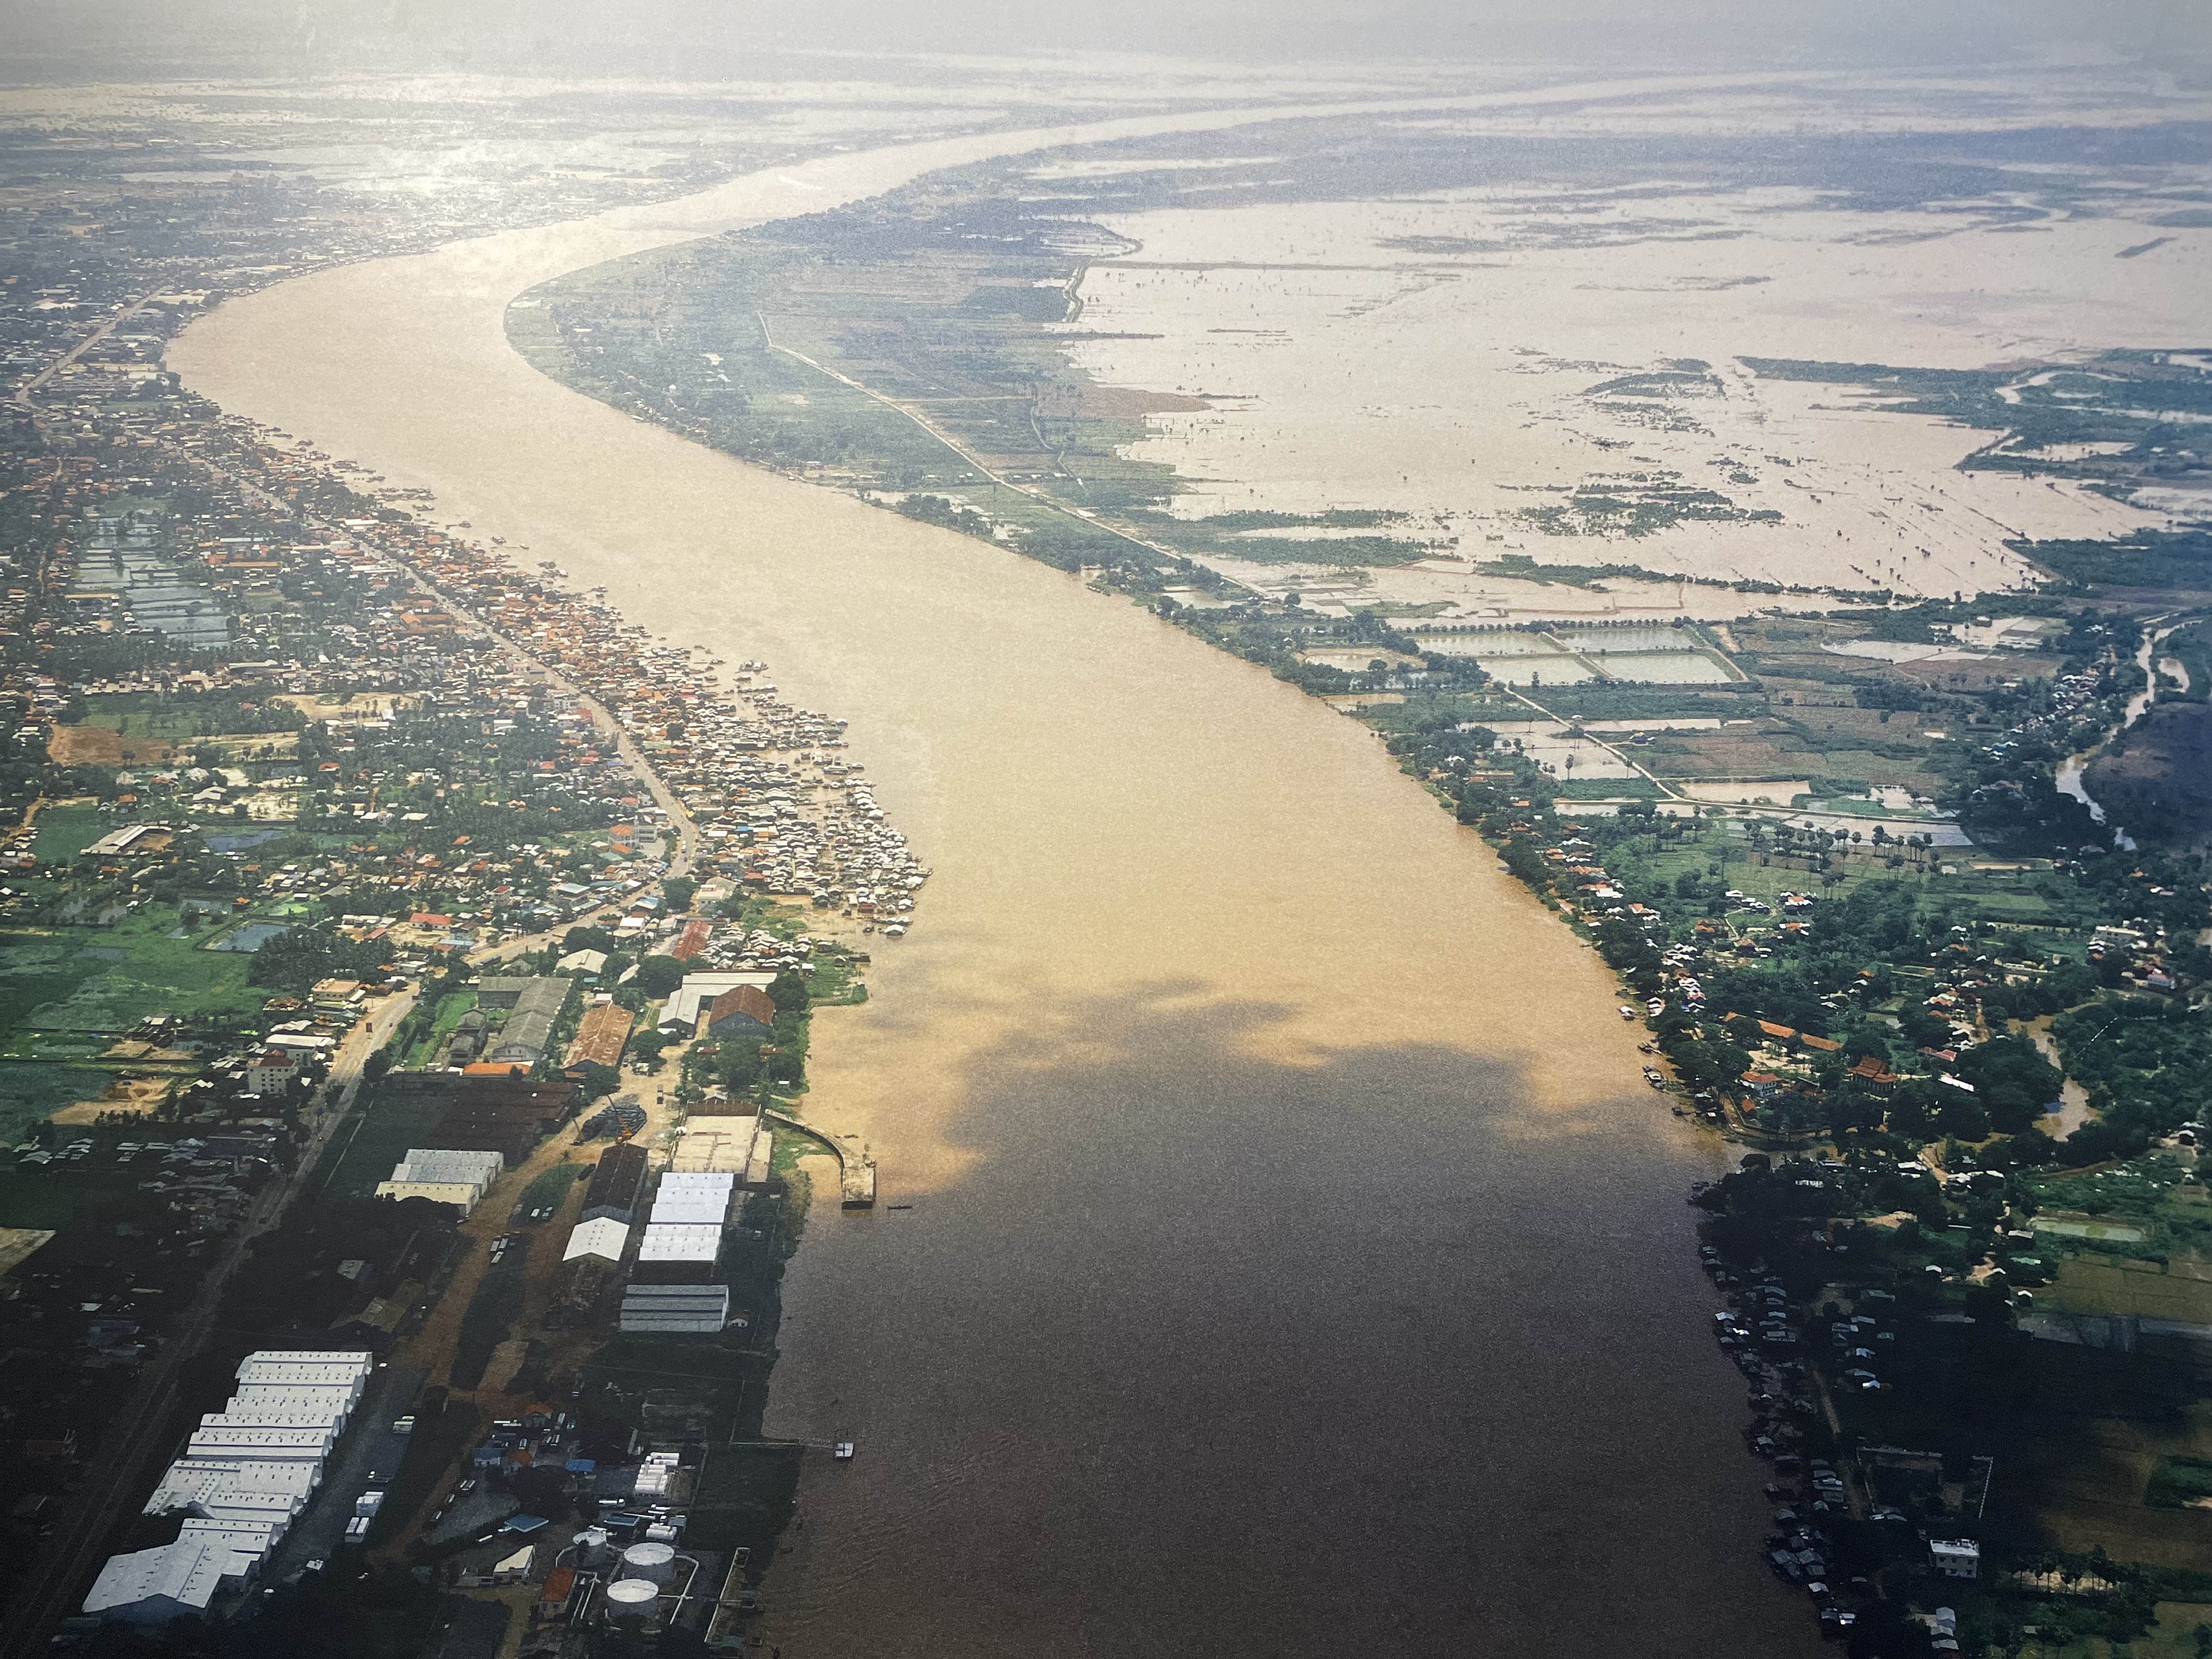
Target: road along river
<point x="1298" y="1262"/>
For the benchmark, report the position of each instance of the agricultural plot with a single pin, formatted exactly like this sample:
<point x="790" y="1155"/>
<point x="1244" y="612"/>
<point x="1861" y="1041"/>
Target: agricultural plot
<point x="2122" y="1288"/>
<point x="137" y="968"/>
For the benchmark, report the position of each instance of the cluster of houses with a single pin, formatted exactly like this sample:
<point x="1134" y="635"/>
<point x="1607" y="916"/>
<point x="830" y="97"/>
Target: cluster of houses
<point x="246" y="1475"/>
<point x="809" y="826"/>
<point x="237" y="1111"/>
<point x="2141" y="949"/>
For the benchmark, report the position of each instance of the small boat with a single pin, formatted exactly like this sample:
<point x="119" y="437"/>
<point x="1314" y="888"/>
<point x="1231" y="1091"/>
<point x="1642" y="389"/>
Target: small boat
<point x="843" y="1451"/>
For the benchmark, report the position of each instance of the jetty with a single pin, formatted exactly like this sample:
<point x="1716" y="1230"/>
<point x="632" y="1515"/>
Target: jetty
<point x="856" y="1169"/>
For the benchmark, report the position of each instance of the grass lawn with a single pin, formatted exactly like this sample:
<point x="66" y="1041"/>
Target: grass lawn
<point x="65" y="831"/>
<point x="140" y="714"/>
<point x="547" y="1191"/>
<point x="451" y="1007"/>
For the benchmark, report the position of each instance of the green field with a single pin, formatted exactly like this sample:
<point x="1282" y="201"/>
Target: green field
<point x="108" y="979"/>
<point x="65" y="831"/>
<point x="32" y="1091"/>
<point x="2087" y="1284"/>
<point x="549" y="1189"/>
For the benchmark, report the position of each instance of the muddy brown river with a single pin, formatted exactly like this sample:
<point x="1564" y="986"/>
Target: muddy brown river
<point x="1297" y="1264"/>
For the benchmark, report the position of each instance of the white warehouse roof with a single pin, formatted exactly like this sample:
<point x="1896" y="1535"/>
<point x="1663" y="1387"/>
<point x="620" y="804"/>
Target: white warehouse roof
<point x="315" y="1421"/>
<point x="603" y="1235"/>
<point x="681" y="1243"/>
<point x="236" y="1491"/>
<point x="245" y="1473"/>
<point x="697" y="1180"/>
<point x="152" y="1587"/>
<point x="346" y="1359"/>
<point x="689" y="1209"/>
<point x="261" y="1445"/>
<point x="328" y="1404"/>
<point x="311" y="1369"/>
<point x="429" y="1163"/>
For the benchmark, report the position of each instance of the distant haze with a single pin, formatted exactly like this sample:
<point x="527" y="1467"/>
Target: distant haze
<point x="69" y="39"/>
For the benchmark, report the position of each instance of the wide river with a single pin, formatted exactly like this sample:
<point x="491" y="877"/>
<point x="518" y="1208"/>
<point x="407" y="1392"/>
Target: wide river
<point x="1298" y="1265"/>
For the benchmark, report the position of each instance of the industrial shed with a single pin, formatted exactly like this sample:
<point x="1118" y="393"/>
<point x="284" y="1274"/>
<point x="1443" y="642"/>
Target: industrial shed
<point x="674" y="1309"/>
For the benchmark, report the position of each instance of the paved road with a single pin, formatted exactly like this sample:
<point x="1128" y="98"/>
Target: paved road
<point x="117" y="1472"/>
<point x="37" y="382"/>
<point x="367" y="1457"/>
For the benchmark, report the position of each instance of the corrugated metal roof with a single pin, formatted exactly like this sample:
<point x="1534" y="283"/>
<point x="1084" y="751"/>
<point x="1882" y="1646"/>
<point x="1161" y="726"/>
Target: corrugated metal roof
<point x="680" y="1243"/>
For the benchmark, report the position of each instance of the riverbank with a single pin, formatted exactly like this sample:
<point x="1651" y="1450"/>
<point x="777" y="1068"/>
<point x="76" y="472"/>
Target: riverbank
<point x="1166" y="957"/>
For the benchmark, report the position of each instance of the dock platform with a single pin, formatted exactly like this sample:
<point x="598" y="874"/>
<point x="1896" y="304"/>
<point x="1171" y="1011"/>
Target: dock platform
<point x="856" y="1169"/>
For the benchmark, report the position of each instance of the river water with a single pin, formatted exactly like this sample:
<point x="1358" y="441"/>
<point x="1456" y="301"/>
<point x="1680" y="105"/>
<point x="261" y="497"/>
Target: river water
<point x="1297" y="1264"/>
<point x="2072" y="778"/>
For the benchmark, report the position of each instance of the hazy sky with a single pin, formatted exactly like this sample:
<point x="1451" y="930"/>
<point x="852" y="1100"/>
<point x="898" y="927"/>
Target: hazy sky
<point x="93" y="39"/>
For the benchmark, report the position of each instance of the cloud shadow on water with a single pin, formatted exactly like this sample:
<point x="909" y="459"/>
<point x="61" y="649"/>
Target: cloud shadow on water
<point x="1210" y="1354"/>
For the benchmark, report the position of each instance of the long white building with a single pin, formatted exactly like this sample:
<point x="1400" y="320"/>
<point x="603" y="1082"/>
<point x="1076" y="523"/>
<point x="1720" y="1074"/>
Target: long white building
<point x="235" y="1489"/>
<point x="247" y="1472"/>
<point x="458" y="1178"/>
<point x="693" y="1198"/>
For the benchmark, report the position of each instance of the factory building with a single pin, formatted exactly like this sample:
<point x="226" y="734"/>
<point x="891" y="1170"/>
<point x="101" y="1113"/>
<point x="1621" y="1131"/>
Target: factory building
<point x="678" y="1253"/>
<point x="699" y="1198"/>
<point x="675" y="1309"/>
<point x="615" y="1183"/>
<point x="439" y="1164"/>
<point x="537" y="1005"/>
<point x="152" y="1587"/>
<point x="247" y="1472"/>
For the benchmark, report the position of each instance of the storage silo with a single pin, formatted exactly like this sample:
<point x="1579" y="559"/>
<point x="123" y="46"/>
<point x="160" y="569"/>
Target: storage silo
<point x="654" y="1563"/>
<point x="630" y="1600"/>
<point x="591" y="1549"/>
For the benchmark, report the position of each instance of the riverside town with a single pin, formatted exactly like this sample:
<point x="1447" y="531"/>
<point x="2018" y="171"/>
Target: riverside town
<point x="412" y="963"/>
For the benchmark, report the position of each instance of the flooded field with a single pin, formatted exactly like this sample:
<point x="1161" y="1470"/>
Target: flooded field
<point x="1470" y="357"/>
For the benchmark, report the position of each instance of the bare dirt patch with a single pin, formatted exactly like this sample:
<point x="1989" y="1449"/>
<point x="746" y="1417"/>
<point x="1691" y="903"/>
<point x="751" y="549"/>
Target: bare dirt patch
<point x="130" y="1096"/>
<point x="102" y="746"/>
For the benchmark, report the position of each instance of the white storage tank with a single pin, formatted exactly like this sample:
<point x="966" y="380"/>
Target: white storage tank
<point x="654" y="1563"/>
<point x="630" y="1600"/>
<point x="591" y="1548"/>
